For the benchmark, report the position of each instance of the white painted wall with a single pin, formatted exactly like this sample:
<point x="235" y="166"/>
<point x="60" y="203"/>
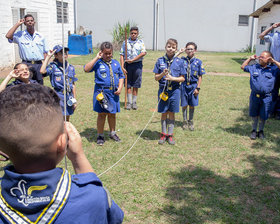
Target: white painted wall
<point x="213" y="24"/>
<point x="266" y="19"/>
<point x="46" y="21"/>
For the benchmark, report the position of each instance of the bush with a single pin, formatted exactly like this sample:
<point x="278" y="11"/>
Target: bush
<point x="118" y="33"/>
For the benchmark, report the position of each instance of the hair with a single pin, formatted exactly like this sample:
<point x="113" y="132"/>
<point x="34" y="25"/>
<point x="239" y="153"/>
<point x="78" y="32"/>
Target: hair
<point x="18" y="64"/>
<point x="106" y="45"/>
<point x="28" y="15"/>
<point x="192" y="43"/>
<point x="269" y="53"/>
<point x="30" y="120"/>
<point x="171" y="41"/>
<point x="134" y="28"/>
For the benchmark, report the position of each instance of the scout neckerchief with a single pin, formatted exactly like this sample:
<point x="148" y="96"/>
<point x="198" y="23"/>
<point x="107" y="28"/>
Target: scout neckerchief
<point x="68" y="89"/>
<point x="132" y="44"/>
<point x="169" y="63"/>
<point x="112" y="80"/>
<point x="188" y="71"/>
<point x="51" y="211"/>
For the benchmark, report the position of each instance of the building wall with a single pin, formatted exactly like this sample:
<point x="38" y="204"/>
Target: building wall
<point x="212" y="24"/>
<point x="46" y="24"/>
<point x="266" y="19"/>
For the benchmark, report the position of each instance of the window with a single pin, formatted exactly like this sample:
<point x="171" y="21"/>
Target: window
<point x="59" y="12"/>
<point x="243" y="20"/>
<point x="262" y="42"/>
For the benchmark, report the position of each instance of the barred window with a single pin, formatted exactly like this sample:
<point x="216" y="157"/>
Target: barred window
<point x="59" y="12"/>
<point x="243" y="20"/>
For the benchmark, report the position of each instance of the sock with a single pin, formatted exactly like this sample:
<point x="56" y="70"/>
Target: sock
<point x="255" y="123"/>
<point x="191" y="112"/>
<point x="261" y="124"/>
<point x="129" y="98"/>
<point x="112" y="133"/>
<point x="171" y="127"/>
<point x="134" y="98"/>
<point x="163" y="126"/>
<point x="185" y="114"/>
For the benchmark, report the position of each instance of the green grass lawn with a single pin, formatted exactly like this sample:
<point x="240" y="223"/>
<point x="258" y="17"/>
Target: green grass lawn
<point x="215" y="174"/>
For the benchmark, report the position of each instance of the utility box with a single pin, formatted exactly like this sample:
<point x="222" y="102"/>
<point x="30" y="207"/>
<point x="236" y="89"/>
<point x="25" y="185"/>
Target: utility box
<point x="80" y="44"/>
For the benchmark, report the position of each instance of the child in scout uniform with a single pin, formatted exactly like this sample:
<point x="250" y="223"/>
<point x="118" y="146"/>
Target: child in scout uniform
<point x="108" y="85"/>
<point x="262" y="81"/>
<point x="191" y="86"/>
<point x="33" y="189"/>
<point x="55" y="71"/>
<point x="20" y="73"/>
<point x="169" y="72"/>
<point x="133" y="65"/>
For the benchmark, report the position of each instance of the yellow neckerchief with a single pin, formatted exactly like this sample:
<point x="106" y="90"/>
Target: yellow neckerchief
<point x="50" y="212"/>
<point x="169" y="63"/>
<point x="112" y="80"/>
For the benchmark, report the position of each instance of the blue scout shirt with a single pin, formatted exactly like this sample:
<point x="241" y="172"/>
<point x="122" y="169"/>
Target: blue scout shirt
<point x="31" y="48"/>
<point x="262" y="80"/>
<point x="274" y="39"/>
<point x="53" y="194"/>
<point x="55" y="71"/>
<point x="102" y="74"/>
<point x="175" y="66"/>
<point x="196" y="70"/>
<point x="134" y="48"/>
<point x="18" y="81"/>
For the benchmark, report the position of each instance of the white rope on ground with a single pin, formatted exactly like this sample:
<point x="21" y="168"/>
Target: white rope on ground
<point x="136" y="138"/>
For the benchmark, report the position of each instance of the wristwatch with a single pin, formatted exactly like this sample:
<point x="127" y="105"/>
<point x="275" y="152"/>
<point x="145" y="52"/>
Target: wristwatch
<point x="198" y="88"/>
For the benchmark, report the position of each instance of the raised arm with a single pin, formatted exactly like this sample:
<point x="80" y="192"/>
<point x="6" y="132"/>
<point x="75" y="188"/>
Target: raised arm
<point x="11" y="31"/>
<point x="275" y="25"/>
<point x="90" y="64"/>
<point x="75" y="151"/>
<point x="8" y="78"/>
<point x="272" y="60"/>
<point x="246" y="62"/>
<point x="46" y="62"/>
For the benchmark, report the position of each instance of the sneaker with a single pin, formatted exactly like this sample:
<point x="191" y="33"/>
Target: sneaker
<point x="128" y="106"/>
<point x="261" y="135"/>
<point x="190" y="125"/>
<point x="115" y="138"/>
<point x="162" y="139"/>
<point x="185" y="125"/>
<point x="171" y="140"/>
<point x="100" y="140"/>
<point x="253" y="135"/>
<point x="134" y="106"/>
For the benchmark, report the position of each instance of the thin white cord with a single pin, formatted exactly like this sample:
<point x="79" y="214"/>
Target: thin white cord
<point x="136" y="139"/>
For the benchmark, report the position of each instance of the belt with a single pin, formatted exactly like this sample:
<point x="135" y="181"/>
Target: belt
<point x="262" y="95"/>
<point x="33" y="62"/>
<point x="106" y="87"/>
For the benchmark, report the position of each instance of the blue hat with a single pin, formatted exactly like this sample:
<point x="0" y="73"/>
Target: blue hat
<point x="58" y="48"/>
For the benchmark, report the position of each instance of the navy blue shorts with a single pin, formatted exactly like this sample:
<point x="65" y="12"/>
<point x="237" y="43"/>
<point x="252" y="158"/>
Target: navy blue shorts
<point x="134" y="74"/>
<point x="113" y="102"/>
<point x="260" y="106"/>
<point x="173" y="102"/>
<point x="187" y="96"/>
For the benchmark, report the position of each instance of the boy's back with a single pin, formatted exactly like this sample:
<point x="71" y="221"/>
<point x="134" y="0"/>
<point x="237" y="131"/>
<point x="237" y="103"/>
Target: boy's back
<point x="33" y="189"/>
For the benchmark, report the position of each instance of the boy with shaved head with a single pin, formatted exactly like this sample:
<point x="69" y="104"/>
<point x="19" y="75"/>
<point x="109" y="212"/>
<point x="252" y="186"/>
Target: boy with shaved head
<point x="33" y="189"/>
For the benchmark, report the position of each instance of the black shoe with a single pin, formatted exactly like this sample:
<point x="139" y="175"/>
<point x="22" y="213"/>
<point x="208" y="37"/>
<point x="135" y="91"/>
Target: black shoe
<point x="100" y="140"/>
<point x="115" y="138"/>
<point x="261" y="135"/>
<point x="253" y="135"/>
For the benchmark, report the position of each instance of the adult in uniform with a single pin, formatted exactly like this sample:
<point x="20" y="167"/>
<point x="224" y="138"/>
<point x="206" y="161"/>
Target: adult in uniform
<point x="133" y="66"/>
<point x="108" y="85"/>
<point x="32" y="45"/>
<point x="169" y="72"/>
<point x="262" y="81"/>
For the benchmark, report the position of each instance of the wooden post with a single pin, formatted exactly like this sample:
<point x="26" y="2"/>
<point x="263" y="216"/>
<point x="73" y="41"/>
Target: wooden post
<point x="125" y="58"/>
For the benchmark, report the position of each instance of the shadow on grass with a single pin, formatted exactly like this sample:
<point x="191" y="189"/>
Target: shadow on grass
<point x="91" y="134"/>
<point x="149" y="135"/>
<point x="243" y="127"/>
<point x="198" y="195"/>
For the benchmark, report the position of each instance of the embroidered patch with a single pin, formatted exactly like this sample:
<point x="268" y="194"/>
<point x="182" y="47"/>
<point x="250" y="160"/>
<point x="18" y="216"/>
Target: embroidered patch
<point x="104" y="75"/>
<point x="58" y="78"/>
<point x="24" y="193"/>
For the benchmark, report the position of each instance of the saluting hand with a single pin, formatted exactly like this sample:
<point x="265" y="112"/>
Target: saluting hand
<point x="21" y="21"/>
<point x="14" y="74"/>
<point x="51" y="53"/>
<point x="180" y="52"/>
<point x="270" y="60"/>
<point x="275" y="25"/>
<point x="253" y="57"/>
<point x="99" y="54"/>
